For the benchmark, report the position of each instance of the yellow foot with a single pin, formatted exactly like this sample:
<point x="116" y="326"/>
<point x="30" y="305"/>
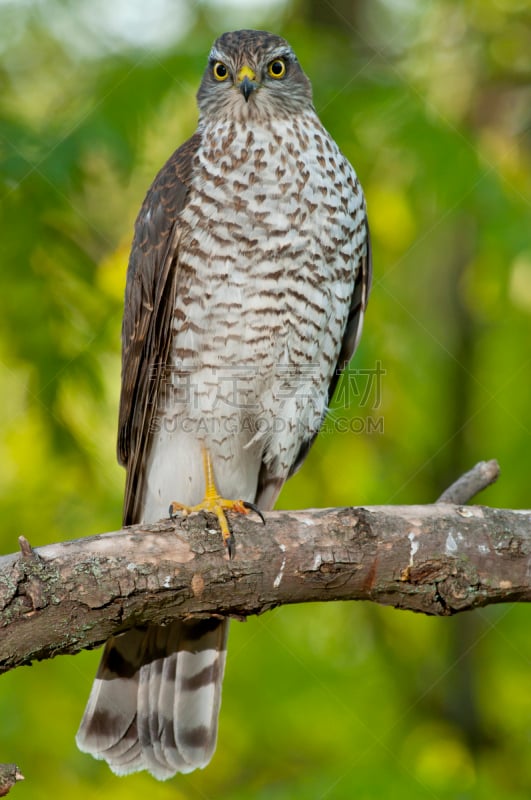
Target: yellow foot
<point x="215" y="504"/>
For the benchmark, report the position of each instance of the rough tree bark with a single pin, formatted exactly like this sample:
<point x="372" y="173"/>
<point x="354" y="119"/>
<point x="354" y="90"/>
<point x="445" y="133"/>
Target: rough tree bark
<point x="436" y="559"/>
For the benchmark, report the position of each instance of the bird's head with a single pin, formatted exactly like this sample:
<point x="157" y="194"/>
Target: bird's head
<point x="252" y="74"/>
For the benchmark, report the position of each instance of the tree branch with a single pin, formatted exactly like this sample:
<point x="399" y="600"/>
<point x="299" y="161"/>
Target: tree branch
<point x="471" y="483"/>
<point x="9" y="775"/>
<point x="436" y="559"/>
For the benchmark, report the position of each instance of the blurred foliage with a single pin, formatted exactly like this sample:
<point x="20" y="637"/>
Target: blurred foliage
<point x="431" y="102"/>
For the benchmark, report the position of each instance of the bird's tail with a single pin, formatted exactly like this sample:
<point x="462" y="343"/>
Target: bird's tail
<point x="155" y="700"/>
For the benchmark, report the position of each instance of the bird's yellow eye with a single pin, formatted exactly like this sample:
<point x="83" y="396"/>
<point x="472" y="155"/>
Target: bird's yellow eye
<point x="277" y="68"/>
<point x="221" y="73"/>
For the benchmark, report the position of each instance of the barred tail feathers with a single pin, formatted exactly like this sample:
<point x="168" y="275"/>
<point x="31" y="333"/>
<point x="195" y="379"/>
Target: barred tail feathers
<point x="155" y="700"/>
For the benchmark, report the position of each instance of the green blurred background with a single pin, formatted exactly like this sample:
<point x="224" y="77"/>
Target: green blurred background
<point x="431" y="102"/>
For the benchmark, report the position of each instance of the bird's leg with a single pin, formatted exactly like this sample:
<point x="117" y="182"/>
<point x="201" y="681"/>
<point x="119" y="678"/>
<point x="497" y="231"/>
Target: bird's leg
<point x="214" y="503"/>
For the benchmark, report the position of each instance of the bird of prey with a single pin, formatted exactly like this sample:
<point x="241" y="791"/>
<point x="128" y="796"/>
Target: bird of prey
<point x="246" y="288"/>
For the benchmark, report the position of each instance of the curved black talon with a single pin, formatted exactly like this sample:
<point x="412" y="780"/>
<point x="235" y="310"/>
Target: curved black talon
<point x="171" y="511"/>
<point x="253" y="507"/>
<point x="230" y="544"/>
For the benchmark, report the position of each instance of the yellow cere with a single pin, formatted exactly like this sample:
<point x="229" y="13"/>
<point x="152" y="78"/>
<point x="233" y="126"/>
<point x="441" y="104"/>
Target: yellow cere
<point x="246" y="72"/>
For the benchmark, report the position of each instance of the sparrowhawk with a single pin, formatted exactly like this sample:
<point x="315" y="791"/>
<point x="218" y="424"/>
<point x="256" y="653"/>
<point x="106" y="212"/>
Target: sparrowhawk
<point x="246" y="288"/>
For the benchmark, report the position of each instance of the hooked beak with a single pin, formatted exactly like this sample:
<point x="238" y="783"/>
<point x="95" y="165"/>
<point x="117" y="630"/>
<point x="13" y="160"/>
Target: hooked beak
<point x="246" y="82"/>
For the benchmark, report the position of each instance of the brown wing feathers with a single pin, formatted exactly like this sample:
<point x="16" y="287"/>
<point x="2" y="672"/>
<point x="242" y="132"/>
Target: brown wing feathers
<point x="149" y="303"/>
